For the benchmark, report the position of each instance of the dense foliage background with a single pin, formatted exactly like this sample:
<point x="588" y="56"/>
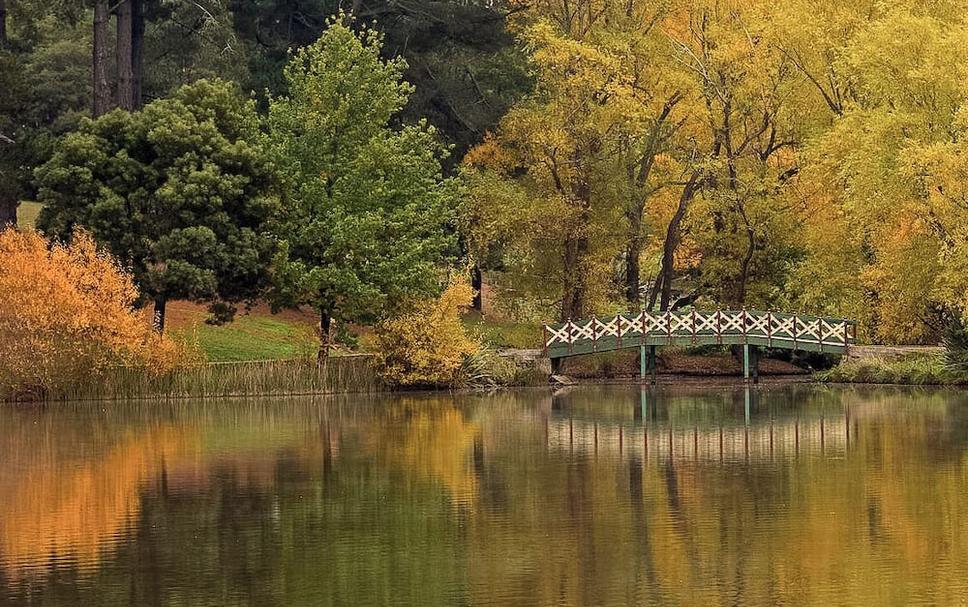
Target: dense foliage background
<point x="798" y="156"/>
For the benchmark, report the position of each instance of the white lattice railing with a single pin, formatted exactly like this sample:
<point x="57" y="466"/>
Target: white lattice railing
<point x="771" y="329"/>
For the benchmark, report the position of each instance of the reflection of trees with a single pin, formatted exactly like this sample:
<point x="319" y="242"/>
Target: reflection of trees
<point x="787" y="531"/>
<point x="352" y="503"/>
<point x="427" y="440"/>
<point x="57" y="508"/>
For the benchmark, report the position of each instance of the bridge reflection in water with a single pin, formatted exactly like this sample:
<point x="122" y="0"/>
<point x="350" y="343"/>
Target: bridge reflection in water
<point x="729" y="437"/>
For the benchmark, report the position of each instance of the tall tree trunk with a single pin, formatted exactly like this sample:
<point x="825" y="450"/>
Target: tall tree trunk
<point x="477" y="283"/>
<point x="160" y="304"/>
<point x="636" y="210"/>
<point x="124" y="54"/>
<point x="673" y="234"/>
<point x="102" y="86"/>
<point x="633" y="249"/>
<point x="137" y="51"/>
<point x="325" y="334"/>
<point x="3" y="24"/>
<point x="744" y="267"/>
<point x="575" y="266"/>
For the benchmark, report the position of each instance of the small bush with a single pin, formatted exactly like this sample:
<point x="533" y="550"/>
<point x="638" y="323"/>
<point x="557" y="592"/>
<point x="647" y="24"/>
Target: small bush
<point x="428" y="345"/>
<point x="956" y="345"/>
<point x="67" y="315"/>
<point x="485" y="370"/>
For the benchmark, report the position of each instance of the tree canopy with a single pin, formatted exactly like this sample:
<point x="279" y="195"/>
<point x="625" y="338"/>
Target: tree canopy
<point x="804" y="156"/>
<point x="181" y="191"/>
<point x="366" y="204"/>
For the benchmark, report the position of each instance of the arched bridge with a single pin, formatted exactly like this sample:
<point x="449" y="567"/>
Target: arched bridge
<point x="688" y="327"/>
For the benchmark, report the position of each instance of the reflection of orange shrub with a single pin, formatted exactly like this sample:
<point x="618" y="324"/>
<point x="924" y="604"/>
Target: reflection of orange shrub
<point x="63" y="507"/>
<point x="66" y="313"/>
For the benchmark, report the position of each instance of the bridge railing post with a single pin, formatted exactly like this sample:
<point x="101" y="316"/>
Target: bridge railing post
<point x="571" y="337"/>
<point x="642" y="328"/>
<point x="594" y="325"/>
<point x="769" y="329"/>
<point x="694" y="325"/>
<point x="745" y="340"/>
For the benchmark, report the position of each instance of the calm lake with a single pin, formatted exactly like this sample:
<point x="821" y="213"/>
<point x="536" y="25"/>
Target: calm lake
<point x="783" y="495"/>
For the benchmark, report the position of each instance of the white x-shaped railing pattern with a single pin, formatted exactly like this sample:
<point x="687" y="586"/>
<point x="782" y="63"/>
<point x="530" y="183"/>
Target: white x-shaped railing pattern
<point x="779" y="328"/>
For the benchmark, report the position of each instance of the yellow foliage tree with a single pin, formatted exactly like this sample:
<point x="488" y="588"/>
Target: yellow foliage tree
<point x="427" y="345"/>
<point x="66" y="314"/>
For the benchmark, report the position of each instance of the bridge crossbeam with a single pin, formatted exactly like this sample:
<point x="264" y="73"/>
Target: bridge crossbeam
<point x="695" y="327"/>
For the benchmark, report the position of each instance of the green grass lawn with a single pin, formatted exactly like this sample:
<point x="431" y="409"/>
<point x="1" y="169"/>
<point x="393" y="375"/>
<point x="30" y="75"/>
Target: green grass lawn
<point x="250" y="337"/>
<point x="504" y="334"/>
<point x="27" y="214"/>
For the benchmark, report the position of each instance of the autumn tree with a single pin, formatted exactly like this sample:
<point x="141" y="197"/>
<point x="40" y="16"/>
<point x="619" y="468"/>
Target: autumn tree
<point x="738" y="153"/>
<point x="181" y="191"/>
<point x="543" y="178"/>
<point x="367" y="208"/>
<point x="883" y="209"/>
<point x="67" y="313"/>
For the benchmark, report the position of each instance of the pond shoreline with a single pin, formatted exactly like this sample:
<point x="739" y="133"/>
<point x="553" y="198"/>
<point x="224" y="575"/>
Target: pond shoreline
<point x="358" y="375"/>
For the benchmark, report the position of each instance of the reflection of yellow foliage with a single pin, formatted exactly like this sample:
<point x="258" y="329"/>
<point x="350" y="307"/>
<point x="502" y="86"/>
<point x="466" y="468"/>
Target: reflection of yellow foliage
<point x="59" y="508"/>
<point x="430" y="443"/>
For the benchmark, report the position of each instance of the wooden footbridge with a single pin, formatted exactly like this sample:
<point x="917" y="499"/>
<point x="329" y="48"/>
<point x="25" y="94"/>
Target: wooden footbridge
<point x="645" y="330"/>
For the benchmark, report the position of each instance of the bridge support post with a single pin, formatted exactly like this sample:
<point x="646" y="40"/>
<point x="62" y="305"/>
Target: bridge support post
<point x="746" y="362"/>
<point x="756" y="364"/>
<point x="647" y="363"/>
<point x="643" y="366"/>
<point x="555" y="366"/>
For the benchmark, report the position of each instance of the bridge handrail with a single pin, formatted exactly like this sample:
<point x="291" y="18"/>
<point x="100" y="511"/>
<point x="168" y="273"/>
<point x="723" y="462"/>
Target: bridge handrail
<point x="689" y="322"/>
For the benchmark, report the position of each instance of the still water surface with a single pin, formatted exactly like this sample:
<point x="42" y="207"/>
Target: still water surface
<point x="796" y="495"/>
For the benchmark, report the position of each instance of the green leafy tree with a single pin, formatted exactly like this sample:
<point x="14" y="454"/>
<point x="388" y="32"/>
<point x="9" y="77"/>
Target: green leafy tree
<point x="367" y="213"/>
<point x="181" y="191"/>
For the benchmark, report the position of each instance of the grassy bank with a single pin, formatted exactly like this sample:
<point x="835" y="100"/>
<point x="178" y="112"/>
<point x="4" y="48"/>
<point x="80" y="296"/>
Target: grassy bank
<point x="254" y="335"/>
<point x="342" y="374"/>
<point x="27" y="214"/>
<point x="915" y="370"/>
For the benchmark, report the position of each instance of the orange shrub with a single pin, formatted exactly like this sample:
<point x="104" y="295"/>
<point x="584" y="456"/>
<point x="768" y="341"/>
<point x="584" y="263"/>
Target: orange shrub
<point x="66" y="314"/>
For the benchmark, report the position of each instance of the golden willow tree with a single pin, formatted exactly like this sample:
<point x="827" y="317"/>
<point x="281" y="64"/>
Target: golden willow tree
<point x="658" y="132"/>
<point x="564" y="183"/>
<point x="882" y="192"/>
<point x="805" y="156"/>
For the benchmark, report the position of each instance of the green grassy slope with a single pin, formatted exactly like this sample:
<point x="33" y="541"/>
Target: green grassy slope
<point x="27" y="214"/>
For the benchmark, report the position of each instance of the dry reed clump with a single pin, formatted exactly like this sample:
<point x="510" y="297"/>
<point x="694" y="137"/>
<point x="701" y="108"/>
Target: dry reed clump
<point x="67" y="315"/>
<point x="338" y="374"/>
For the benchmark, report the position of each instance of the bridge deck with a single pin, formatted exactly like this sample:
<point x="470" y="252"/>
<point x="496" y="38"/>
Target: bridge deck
<point x="695" y="327"/>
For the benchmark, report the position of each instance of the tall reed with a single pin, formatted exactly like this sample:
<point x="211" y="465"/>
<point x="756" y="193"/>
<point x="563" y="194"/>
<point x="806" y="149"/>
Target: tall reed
<point x="340" y="374"/>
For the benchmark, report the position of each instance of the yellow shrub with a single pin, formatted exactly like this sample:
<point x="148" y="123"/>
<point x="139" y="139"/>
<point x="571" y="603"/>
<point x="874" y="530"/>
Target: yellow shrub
<point x="67" y="313"/>
<point x="426" y="346"/>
